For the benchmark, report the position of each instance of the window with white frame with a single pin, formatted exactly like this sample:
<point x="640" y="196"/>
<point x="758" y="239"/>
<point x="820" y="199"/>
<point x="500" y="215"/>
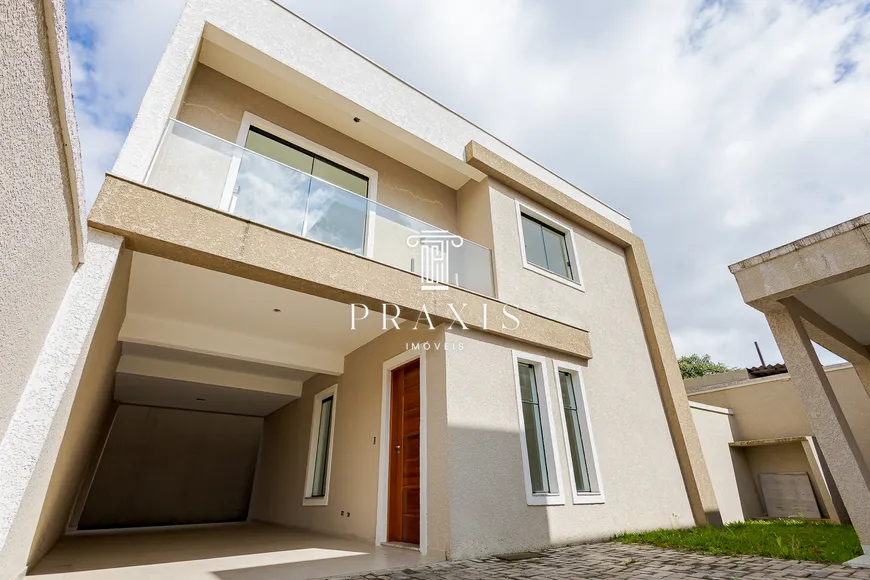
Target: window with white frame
<point x="320" y="447"/>
<point x="537" y="438"/>
<point x="579" y="445"/>
<point x="547" y="246"/>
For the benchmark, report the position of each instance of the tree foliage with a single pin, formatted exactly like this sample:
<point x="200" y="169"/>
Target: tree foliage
<point x="698" y="366"/>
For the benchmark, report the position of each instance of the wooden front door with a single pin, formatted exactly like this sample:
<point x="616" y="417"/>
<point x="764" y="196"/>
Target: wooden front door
<point x="403" y="511"/>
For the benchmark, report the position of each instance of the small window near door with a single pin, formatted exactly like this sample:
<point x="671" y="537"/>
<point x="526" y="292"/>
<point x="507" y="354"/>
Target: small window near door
<point x="320" y="448"/>
<point x="585" y="480"/>
<point x="543" y="483"/>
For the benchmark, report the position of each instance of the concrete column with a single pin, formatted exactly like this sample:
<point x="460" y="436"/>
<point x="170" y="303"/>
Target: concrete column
<point x="862" y="368"/>
<point x="835" y="438"/>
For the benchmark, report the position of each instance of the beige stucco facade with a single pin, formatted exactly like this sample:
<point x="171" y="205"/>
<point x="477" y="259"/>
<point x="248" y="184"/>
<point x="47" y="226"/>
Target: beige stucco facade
<point x="199" y="303"/>
<point x="41" y="236"/>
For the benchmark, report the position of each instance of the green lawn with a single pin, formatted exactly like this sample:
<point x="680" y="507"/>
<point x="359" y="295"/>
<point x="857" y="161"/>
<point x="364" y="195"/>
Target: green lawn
<point x="791" y="540"/>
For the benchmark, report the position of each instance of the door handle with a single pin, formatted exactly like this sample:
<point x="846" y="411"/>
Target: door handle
<point x="398" y="448"/>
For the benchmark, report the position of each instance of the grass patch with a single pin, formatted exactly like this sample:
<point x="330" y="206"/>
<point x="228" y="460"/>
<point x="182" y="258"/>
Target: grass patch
<point x="787" y="539"/>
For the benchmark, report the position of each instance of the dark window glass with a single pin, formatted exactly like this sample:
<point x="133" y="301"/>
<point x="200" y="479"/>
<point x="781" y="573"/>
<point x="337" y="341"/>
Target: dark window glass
<point x="533" y="429"/>
<point x="575" y="435"/>
<point x="546" y="247"/>
<point x="321" y="458"/>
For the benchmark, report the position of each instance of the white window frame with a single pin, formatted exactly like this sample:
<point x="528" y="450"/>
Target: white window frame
<point x="596" y="496"/>
<point x="307" y="500"/>
<point x="577" y="281"/>
<point x="249" y="119"/>
<point x="554" y="468"/>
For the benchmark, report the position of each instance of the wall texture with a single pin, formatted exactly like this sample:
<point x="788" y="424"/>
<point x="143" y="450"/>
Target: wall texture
<point x="172" y="466"/>
<point x="280" y="480"/>
<point x="641" y="478"/>
<point x="732" y="481"/>
<point x="537" y="293"/>
<point x="89" y="417"/>
<point x="215" y="103"/>
<point x="37" y="218"/>
<point x="770" y="408"/>
<point x="30" y="447"/>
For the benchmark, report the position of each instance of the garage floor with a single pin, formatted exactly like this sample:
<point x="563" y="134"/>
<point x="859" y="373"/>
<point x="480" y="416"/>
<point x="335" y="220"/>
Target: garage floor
<point x="245" y="551"/>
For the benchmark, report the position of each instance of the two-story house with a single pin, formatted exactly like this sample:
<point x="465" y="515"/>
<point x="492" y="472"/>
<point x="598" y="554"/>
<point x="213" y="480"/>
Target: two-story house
<point x="328" y="303"/>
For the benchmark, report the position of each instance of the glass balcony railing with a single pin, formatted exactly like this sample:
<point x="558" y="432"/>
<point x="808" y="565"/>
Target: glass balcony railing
<point x="198" y="166"/>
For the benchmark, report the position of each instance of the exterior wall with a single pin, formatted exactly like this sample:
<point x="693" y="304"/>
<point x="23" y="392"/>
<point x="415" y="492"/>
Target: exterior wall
<point x="216" y="103"/>
<point x="601" y="264"/>
<point x="30" y="447"/>
<point x="39" y="239"/>
<point x="641" y="478"/>
<point x="280" y="480"/>
<point x="732" y="481"/>
<point x="771" y="408"/>
<point x="360" y="84"/>
<point x="173" y="466"/>
<point x="89" y="416"/>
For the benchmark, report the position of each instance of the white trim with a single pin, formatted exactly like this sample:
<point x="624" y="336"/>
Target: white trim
<point x="554" y="470"/>
<point x="711" y="408"/>
<point x="538" y="214"/>
<point x="249" y="119"/>
<point x="595" y="496"/>
<point x="58" y="49"/>
<point x="307" y="500"/>
<point x="384" y="457"/>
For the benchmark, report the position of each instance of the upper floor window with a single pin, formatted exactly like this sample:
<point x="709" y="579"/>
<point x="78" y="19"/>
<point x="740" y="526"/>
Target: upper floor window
<point x="287" y="182"/>
<point x="547" y="246"/>
<point x="283" y="151"/>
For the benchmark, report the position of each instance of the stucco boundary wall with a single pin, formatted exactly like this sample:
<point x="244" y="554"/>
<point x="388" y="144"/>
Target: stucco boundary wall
<point x="32" y="440"/>
<point x="699" y="486"/>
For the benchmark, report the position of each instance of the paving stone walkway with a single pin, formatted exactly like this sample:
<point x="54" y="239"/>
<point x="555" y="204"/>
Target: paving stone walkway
<point x="613" y="561"/>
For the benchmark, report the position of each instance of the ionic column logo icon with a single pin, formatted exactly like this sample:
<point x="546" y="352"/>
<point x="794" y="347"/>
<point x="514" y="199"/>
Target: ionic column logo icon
<point x="435" y="256"/>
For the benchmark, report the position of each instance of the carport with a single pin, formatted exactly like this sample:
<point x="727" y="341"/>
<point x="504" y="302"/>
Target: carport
<point x="162" y="470"/>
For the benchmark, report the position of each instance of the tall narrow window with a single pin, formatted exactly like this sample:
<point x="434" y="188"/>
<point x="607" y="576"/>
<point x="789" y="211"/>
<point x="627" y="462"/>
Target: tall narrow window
<point x="320" y="447"/>
<point x="318" y="487"/>
<point x="533" y="428"/>
<point x="575" y="436"/>
<point x="537" y="436"/>
<point x="585" y="478"/>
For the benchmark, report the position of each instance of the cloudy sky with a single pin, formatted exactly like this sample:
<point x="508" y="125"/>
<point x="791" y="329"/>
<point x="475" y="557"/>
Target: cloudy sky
<point x="721" y="128"/>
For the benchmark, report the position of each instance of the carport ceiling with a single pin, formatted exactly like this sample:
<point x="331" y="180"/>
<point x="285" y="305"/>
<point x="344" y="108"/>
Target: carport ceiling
<point x="846" y="304"/>
<point x="175" y="305"/>
<point x="162" y="392"/>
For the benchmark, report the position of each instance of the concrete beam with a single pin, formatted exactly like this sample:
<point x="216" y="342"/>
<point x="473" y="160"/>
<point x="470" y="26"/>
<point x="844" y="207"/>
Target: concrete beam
<point x="162" y="225"/>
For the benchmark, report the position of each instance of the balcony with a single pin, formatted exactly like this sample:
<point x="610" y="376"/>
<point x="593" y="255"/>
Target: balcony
<point x="211" y="171"/>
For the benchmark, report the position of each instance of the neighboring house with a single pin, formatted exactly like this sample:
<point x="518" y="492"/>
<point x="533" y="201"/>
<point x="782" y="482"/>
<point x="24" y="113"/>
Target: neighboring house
<point x="817" y="289"/>
<point x="759" y="446"/>
<point x="269" y="348"/>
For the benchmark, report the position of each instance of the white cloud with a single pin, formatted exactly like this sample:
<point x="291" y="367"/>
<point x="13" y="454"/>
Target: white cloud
<point x="722" y="128"/>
